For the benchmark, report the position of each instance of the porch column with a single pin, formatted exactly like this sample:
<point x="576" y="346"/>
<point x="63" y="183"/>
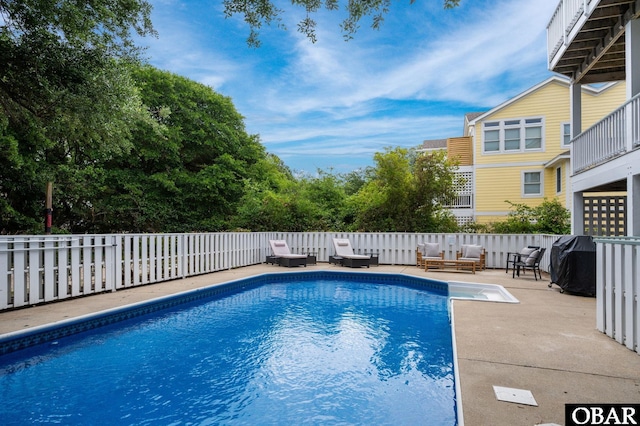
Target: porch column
<point x="632" y="53"/>
<point x="632" y="62"/>
<point x="633" y="205"/>
<point x="577" y="214"/>
<point x="575" y="94"/>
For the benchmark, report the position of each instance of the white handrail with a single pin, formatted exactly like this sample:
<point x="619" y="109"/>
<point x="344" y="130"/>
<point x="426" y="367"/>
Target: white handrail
<point x="608" y="138"/>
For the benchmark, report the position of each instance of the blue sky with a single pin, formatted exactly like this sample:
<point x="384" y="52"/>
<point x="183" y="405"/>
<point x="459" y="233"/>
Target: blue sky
<point x="331" y="105"/>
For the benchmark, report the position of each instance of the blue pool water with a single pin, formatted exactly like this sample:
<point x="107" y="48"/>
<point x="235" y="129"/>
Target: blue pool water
<point x="329" y="351"/>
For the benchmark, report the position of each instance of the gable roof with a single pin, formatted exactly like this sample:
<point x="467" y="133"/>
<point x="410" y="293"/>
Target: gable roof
<point x="553" y="79"/>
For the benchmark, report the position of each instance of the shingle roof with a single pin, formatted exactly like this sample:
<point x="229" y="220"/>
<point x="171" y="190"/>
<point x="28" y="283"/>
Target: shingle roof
<point x="434" y="144"/>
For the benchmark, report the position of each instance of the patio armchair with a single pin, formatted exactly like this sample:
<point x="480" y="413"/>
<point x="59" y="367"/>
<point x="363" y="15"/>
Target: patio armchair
<point x="428" y="251"/>
<point x="283" y="256"/>
<point x="345" y="255"/>
<point x="513" y="257"/>
<point x="530" y="262"/>
<point x="473" y="252"/>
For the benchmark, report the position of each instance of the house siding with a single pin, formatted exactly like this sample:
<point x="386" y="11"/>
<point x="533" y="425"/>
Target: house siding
<point x="499" y="175"/>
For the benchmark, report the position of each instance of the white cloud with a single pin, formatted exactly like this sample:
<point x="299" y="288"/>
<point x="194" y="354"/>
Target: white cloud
<point x="334" y="98"/>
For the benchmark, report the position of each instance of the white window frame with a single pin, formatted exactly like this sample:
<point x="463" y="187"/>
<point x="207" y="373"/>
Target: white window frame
<point x="520" y="124"/>
<point x="523" y="183"/>
<point x="559" y="180"/>
<point x="563" y="135"/>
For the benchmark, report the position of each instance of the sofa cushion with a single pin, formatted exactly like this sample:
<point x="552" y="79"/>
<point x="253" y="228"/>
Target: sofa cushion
<point x="525" y="252"/>
<point x="529" y="261"/>
<point x="473" y="252"/>
<point x="432" y="250"/>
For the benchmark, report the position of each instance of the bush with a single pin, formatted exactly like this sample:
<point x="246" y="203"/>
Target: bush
<point x="550" y="217"/>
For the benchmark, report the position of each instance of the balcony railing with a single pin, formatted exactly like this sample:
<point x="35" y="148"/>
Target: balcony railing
<point x="461" y="201"/>
<point x="563" y="21"/>
<point x="613" y="136"/>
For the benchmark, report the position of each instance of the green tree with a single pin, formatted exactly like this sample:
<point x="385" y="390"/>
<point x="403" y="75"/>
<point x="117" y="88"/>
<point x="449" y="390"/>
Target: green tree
<point x="187" y="174"/>
<point x="58" y="68"/>
<point x="304" y="204"/>
<point x="404" y="194"/>
<point x="66" y="98"/>
<point x="257" y="13"/>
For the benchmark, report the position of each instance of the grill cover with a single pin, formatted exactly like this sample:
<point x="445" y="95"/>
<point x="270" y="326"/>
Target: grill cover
<point x="573" y="264"/>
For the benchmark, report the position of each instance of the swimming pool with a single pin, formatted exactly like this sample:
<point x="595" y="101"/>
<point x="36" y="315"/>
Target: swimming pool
<point x="273" y="349"/>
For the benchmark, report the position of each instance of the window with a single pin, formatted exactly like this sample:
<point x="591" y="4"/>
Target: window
<point x="531" y="184"/>
<point x="512" y="139"/>
<point x="509" y="136"/>
<point x="559" y="180"/>
<point x="492" y="140"/>
<point x="533" y="138"/>
<point x="566" y="133"/>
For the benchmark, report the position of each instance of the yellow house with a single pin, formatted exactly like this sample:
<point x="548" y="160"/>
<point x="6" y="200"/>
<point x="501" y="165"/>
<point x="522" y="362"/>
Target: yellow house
<point x="521" y="148"/>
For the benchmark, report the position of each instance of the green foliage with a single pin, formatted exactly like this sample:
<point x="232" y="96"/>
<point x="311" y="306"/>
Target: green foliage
<point x="356" y="179"/>
<point x="306" y="204"/>
<point x="257" y="13"/>
<point x="550" y="217"/>
<point x="131" y="148"/>
<point x="59" y="80"/>
<point x="183" y="168"/>
<point x="553" y="218"/>
<point x="403" y="194"/>
<point x="66" y="98"/>
<point x="187" y="171"/>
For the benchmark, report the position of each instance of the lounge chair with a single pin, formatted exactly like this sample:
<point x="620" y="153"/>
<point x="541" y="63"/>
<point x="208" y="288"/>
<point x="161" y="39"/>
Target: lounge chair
<point x="283" y="256"/>
<point x="428" y="251"/>
<point x="530" y="262"/>
<point x="473" y="252"/>
<point x="345" y="256"/>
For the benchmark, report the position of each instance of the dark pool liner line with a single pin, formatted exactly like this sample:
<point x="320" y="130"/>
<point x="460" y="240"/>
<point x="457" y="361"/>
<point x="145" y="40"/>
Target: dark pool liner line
<point x="15" y="341"/>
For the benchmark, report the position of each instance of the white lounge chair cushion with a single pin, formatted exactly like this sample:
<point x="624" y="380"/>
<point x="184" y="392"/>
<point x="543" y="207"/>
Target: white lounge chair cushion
<point x="358" y="256"/>
<point x="421" y="249"/>
<point x="344" y="249"/>
<point x="431" y="250"/>
<point x="281" y="249"/>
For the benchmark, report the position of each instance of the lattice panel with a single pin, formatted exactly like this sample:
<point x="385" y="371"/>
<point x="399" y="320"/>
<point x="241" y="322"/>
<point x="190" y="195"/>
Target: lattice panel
<point x="605" y="216"/>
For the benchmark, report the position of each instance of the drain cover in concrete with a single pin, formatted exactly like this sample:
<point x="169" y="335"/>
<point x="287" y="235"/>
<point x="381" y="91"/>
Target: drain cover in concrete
<point x="519" y="396"/>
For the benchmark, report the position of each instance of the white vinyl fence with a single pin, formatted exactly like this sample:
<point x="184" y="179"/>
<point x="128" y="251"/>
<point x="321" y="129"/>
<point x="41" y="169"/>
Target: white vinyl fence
<point x="38" y="269"/>
<point x="618" y="289"/>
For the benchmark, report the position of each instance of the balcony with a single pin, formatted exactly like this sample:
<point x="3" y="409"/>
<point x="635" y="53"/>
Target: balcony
<point x="462" y="201"/>
<point x="613" y="136"/>
<point x="585" y="39"/>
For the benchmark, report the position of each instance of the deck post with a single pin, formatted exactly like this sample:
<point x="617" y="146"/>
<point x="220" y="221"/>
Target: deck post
<point x="575" y="93"/>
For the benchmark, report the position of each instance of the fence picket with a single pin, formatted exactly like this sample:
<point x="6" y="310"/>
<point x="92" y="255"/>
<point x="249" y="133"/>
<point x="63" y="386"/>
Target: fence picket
<point x="19" y="274"/>
<point x="34" y="269"/>
<point x="5" y="276"/>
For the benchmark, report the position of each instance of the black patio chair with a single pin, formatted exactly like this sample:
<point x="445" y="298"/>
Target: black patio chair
<point x="532" y="262"/>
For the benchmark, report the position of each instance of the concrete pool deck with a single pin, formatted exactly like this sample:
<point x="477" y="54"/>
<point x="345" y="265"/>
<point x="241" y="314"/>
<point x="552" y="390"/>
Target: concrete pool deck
<point x="547" y="344"/>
